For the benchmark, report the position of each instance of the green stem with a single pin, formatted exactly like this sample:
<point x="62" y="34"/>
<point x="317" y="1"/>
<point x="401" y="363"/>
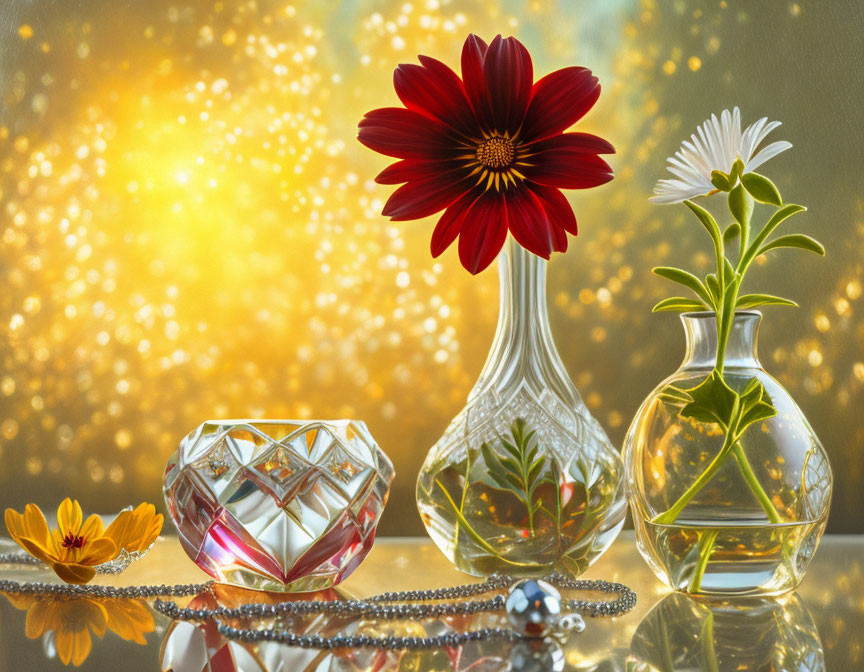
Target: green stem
<point x="672" y="513"/>
<point x="466" y="526"/>
<point x="706" y="547"/>
<point x="756" y="487"/>
<point x="464" y="496"/>
<point x="707" y="639"/>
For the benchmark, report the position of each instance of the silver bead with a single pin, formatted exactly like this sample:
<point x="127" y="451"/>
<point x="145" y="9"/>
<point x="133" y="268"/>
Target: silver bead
<point x="533" y="607"/>
<point x="571" y="623"/>
<point x="536" y="655"/>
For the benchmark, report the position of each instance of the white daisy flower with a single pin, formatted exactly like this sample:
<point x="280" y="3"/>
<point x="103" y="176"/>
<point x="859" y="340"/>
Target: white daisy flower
<point x="715" y="146"/>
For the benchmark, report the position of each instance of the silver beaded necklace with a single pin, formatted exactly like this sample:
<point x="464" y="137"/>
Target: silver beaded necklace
<point x="533" y="607"/>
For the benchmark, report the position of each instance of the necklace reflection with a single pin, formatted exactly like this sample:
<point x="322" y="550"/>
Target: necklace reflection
<point x="200" y="647"/>
<point x="686" y="633"/>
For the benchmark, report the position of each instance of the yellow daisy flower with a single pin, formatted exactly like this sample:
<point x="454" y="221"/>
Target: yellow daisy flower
<point x="76" y="546"/>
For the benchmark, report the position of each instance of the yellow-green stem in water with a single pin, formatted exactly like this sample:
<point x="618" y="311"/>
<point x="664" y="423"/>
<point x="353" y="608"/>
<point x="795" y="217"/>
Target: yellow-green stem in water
<point x="706" y="547"/>
<point x="466" y="527"/>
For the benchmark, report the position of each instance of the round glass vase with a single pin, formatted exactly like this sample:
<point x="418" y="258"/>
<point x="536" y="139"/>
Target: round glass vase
<point x="718" y="517"/>
<point x="524" y="480"/>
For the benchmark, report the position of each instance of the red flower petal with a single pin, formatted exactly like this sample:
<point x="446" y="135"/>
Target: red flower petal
<point x="509" y="75"/>
<point x="473" y="53"/>
<point x="557" y="207"/>
<point x="484" y="230"/>
<point x="558" y="101"/>
<point x="450" y="224"/>
<point x="568" y="161"/>
<point x="433" y="89"/>
<point x="529" y="224"/>
<point x="424" y="197"/>
<point x="405" y="134"/>
<point x="407" y="170"/>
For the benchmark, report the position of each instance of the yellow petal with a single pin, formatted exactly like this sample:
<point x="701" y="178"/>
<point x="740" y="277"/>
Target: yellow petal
<point x="92" y="527"/>
<point x="36" y="550"/>
<point x="21" y="601"/>
<point x="69" y="517"/>
<point x="129" y="619"/>
<point x="136" y="530"/>
<point x="36" y="525"/>
<point x="73" y="573"/>
<point x="82" y="642"/>
<point x="73" y="646"/>
<point x="98" y="551"/>
<point x="118" y="530"/>
<point x="37" y="618"/>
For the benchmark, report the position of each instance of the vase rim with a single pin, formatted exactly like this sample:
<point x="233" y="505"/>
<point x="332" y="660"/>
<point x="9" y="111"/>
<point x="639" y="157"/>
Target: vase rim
<point x="704" y="314"/>
<point x="282" y="421"/>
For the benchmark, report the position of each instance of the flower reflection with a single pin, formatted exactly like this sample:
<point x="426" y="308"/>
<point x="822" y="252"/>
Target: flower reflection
<point x="69" y="623"/>
<point x="684" y="633"/>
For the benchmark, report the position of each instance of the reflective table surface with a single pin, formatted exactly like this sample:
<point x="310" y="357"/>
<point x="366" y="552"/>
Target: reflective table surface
<point x="821" y="627"/>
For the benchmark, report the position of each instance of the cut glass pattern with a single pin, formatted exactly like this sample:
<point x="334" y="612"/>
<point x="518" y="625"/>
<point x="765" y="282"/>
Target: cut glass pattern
<point x="278" y="505"/>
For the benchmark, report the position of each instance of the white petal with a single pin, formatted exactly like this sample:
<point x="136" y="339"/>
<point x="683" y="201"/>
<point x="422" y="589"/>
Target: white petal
<point x="748" y="140"/>
<point x="675" y="191"/>
<point x="767" y="152"/>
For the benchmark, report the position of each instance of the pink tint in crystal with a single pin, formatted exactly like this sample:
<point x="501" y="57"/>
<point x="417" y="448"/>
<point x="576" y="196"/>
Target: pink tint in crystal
<point x="278" y="505"/>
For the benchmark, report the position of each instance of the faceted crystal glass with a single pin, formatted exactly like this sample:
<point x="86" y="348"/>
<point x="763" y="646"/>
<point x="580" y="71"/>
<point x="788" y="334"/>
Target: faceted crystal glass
<point x="753" y="525"/>
<point x="524" y="480"/>
<point x="278" y="504"/>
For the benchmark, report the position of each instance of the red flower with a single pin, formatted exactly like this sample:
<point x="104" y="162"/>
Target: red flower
<point x="489" y="149"/>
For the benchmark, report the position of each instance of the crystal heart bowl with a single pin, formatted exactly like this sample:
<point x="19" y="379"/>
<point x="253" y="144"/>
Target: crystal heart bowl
<point x="278" y="504"/>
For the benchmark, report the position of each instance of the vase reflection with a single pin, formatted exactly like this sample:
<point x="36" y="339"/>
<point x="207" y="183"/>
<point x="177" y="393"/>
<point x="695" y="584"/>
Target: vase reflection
<point x="686" y="633"/>
<point x="67" y="625"/>
<point x="199" y="647"/>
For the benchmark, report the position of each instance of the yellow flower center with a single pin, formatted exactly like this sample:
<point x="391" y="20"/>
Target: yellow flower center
<point x="496" y="152"/>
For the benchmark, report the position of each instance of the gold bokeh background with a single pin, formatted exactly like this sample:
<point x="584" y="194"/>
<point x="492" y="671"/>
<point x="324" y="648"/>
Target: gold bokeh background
<point x="190" y="229"/>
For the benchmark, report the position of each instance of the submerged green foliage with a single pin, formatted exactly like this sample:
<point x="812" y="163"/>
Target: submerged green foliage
<point x="519" y="467"/>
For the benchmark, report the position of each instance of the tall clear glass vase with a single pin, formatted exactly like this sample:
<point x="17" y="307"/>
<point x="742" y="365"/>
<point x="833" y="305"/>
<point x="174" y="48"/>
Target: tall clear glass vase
<point x="524" y="480"/>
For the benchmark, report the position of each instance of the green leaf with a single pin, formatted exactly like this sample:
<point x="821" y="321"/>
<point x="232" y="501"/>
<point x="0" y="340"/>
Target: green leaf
<point x="776" y="219"/>
<point x="746" y="301"/>
<point x="720" y="180"/>
<point x="683" y="278"/>
<point x="731" y="232"/>
<point x="761" y="188"/>
<point x="756" y="412"/>
<point x="510" y="448"/>
<point x="741" y="205"/>
<point x="493" y="462"/>
<point x="707" y="221"/>
<point x="679" y="304"/>
<point x="737" y="170"/>
<point x="798" y="240"/>
<point x="675" y="396"/>
<point x="714" y="287"/>
<point x="517" y="464"/>
<point x="711" y="401"/>
<point x="729" y="270"/>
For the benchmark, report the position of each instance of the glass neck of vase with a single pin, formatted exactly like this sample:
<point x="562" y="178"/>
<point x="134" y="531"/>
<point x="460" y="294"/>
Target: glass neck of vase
<point x="523" y="351"/>
<point x="701" y="333"/>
